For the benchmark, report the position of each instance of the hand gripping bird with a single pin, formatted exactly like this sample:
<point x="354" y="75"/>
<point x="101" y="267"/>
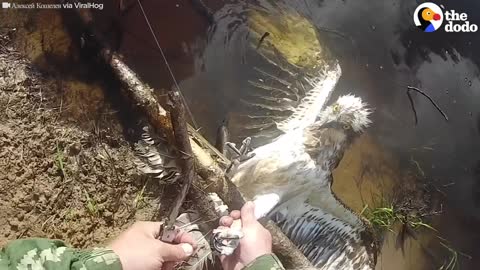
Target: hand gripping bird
<point x="290" y="181"/>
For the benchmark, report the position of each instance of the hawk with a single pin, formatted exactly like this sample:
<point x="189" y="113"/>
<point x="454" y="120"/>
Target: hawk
<point x="290" y="181"/>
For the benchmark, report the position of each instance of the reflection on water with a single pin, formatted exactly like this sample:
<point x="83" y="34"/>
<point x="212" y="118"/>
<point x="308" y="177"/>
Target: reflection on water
<point x="380" y="52"/>
<point x="393" y="259"/>
<point x="368" y="172"/>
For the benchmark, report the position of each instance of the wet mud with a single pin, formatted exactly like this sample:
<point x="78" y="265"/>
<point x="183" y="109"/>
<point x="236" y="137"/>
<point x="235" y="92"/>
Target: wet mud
<point x="66" y="169"/>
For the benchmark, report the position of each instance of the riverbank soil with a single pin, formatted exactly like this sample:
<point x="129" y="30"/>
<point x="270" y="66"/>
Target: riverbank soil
<point x="66" y="170"/>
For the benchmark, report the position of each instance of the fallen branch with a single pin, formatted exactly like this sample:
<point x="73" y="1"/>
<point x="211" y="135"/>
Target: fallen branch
<point x="411" y="88"/>
<point x="206" y="157"/>
<point x="184" y="151"/>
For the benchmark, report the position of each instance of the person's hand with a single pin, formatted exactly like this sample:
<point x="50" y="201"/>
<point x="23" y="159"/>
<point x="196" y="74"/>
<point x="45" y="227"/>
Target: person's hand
<point x="256" y="241"/>
<point x="139" y="249"/>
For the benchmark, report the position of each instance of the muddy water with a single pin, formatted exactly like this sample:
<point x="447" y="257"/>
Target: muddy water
<point x="380" y="52"/>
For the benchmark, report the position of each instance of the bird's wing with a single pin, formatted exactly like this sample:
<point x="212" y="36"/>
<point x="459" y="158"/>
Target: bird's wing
<point x="330" y="235"/>
<point x="155" y="158"/>
<point x="203" y="258"/>
<point x="282" y="73"/>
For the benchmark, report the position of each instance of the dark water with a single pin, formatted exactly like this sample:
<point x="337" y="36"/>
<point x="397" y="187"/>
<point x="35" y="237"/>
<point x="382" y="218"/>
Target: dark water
<point x="380" y="52"/>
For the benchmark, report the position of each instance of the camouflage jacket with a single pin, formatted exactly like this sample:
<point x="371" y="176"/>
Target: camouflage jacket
<point x="39" y="254"/>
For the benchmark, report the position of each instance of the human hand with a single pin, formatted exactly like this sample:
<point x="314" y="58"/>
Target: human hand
<point x="256" y="241"/>
<point x="139" y="249"/>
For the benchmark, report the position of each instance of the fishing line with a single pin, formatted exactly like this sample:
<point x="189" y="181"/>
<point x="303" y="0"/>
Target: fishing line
<point x="166" y="63"/>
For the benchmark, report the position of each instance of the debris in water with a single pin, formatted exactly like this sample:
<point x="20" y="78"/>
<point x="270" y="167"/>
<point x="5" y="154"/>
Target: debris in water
<point x="266" y="34"/>
<point x="410" y="88"/>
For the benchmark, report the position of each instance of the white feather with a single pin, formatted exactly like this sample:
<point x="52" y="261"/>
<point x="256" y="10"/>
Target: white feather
<point x="311" y="105"/>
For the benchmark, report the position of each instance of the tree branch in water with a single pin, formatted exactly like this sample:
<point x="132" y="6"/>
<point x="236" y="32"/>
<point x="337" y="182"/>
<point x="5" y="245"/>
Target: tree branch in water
<point x="411" y="88"/>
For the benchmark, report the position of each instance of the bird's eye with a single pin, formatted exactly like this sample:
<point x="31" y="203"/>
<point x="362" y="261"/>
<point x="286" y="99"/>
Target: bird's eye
<point x="336" y="108"/>
<point x="346" y="127"/>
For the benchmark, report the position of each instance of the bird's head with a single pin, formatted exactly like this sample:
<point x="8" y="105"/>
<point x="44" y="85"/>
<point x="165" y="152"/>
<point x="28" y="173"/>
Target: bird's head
<point x="428" y="14"/>
<point x="336" y="127"/>
<point x="348" y="113"/>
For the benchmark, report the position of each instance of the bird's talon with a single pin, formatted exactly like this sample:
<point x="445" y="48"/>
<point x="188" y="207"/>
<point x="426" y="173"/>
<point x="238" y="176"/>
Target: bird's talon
<point x="225" y="241"/>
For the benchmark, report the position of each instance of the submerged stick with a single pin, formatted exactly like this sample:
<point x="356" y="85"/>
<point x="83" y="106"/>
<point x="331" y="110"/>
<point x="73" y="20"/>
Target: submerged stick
<point x="411" y="88"/>
<point x="206" y="157"/>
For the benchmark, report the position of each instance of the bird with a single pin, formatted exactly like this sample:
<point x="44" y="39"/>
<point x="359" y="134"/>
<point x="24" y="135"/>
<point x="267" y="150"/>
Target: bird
<point x="425" y="16"/>
<point x="290" y="181"/>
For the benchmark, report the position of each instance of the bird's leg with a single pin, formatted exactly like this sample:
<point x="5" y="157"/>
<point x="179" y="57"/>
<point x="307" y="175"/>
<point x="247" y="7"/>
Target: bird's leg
<point x="229" y="149"/>
<point x="239" y="155"/>
<point x="245" y="150"/>
<point x="224" y="240"/>
<point x="222" y="137"/>
<point x="243" y="153"/>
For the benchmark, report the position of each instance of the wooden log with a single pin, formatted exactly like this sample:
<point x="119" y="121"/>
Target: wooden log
<point x="184" y="152"/>
<point x="206" y="157"/>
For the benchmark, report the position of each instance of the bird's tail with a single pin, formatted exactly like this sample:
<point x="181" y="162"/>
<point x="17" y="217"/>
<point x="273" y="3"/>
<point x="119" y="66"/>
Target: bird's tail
<point x="327" y="240"/>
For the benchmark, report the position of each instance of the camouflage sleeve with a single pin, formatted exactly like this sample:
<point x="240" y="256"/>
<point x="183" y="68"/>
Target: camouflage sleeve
<point x="265" y="262"/>
<point x="40" y="254"/>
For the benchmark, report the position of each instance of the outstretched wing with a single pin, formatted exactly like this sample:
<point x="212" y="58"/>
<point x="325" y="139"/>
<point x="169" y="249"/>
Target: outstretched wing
<point x="330" y="235"/>
<point x="293" y="74"/>
<point x="270" y="70"/>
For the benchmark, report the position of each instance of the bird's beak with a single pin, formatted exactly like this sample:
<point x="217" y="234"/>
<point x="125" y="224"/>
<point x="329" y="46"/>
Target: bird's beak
<point x="436" y="17"/>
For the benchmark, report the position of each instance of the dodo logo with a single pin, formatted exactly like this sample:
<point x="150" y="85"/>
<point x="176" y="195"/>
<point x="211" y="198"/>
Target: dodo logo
<point x="429" y="17"/>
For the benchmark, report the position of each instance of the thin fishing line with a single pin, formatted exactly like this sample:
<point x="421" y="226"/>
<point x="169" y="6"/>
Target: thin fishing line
<point x="194" y="222"/>
<point x="166" y="63"/>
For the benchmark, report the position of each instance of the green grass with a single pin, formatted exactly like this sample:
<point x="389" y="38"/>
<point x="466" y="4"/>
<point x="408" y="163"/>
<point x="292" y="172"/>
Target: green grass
<point x="140" y="198"/>
<point x="59" y="162"/>
<point x="452" y="262"/>
<point x="69" y="215"/>
<point x="421" y="224"/>
<point x="386" y="215"/>
<point x="91" y="205"/>
<point x="381" y="218"/>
